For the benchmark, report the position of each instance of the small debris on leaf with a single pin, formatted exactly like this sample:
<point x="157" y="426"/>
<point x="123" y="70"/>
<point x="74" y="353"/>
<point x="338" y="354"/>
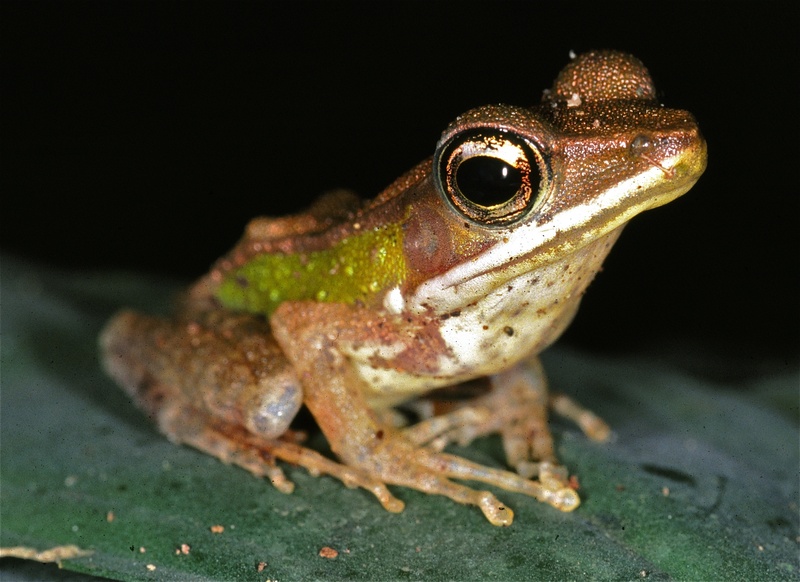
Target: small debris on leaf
<point x="328" y="552"/>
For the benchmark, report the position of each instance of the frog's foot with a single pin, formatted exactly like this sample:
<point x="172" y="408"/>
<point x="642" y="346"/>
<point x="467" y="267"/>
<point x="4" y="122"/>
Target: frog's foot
<point x="516" y="408"/>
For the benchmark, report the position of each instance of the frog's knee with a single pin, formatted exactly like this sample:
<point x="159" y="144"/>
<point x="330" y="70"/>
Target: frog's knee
<point x="275" y="406"/>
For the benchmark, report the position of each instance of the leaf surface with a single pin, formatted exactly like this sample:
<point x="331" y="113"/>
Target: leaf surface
<point x="700" y="482"/>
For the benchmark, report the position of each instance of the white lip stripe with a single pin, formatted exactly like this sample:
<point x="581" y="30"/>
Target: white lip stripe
<point x="469" y="280"/>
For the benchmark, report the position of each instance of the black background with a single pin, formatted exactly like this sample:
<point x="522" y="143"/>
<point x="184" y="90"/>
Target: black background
<point x="143" y="136"/>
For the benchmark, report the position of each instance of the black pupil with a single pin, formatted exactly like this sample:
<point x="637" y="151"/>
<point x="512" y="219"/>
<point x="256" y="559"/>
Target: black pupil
<point x="488" y="181"/>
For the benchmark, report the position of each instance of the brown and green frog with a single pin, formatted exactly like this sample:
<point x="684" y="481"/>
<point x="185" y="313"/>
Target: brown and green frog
<point x="467" y="266"/>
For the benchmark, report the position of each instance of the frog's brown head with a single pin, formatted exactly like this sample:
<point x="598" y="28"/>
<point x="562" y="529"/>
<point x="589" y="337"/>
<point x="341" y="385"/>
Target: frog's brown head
<point x="545" y="181"/>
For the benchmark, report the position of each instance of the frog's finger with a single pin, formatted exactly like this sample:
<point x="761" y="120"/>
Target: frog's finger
<point x="592" y="425"/>
<point x="551" y="488"/>
<point x="430" y="475"/>
<point x="457" y="426"/>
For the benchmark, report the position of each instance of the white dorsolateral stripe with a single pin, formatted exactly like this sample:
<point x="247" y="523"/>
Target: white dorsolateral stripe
<point x="474" y="278"/>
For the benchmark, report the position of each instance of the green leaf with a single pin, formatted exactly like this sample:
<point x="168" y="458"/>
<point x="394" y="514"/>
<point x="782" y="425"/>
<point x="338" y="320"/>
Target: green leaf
<point x="699" y="483"/>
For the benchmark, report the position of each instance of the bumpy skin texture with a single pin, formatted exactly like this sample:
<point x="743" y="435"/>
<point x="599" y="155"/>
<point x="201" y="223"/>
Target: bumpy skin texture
<point x="352" y="308"/>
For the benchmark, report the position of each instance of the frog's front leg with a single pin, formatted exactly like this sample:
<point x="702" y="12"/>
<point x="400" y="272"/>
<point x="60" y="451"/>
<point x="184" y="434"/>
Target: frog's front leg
<point x="312" y="335"/>
<point x="517" y="408"/>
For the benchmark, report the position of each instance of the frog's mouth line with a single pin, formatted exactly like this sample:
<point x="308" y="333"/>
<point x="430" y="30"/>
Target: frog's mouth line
<point x="531" y="246"/>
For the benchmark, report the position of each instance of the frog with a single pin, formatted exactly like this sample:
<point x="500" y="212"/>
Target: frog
<point x="376" y="315"/>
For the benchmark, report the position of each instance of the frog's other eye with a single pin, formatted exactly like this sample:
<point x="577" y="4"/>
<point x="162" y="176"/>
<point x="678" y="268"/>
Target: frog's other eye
<point x="492" y="176"/>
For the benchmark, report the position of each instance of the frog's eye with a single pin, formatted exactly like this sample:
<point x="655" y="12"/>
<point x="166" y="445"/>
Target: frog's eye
<point x="491" y="176"/>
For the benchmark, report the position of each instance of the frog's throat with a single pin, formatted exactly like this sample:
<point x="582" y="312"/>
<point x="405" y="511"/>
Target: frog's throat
<point x="533" y="245"/>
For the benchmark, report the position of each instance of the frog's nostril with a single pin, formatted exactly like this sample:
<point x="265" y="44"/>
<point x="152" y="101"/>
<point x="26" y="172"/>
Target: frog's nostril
<point x="641" y="144"/>
<point x="645" y="147"/>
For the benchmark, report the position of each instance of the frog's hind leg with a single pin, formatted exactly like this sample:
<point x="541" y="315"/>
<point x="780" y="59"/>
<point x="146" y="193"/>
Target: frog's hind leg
<point x="186" y="376"/>
<point x="219" y="383"/>
<point x="185" y="425"/>
<point x="237" y="446"/>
